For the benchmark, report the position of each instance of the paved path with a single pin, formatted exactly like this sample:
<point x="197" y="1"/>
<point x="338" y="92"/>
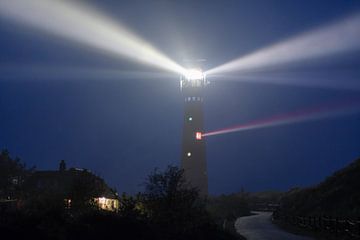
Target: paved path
<point x="259" y="227"/>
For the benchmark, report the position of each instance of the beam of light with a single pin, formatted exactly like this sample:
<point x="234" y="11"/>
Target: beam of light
<point x="333" y="39"/>
<point x="311" y="114"/>
<point x="336" y="80"/>
<point x="81" y="23"/>
<point x="51" y="72"/>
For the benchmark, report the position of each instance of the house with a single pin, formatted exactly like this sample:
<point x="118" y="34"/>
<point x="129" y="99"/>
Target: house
<point x="74" y="186"/>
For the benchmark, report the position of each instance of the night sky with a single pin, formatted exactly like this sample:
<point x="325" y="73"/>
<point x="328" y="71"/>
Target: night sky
<point x="123" y="128"/>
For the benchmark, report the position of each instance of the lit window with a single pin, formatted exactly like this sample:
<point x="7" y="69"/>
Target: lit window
<point x="190" y="118"/>
<point x="198" y="135"/>
<point x="102" y="200"/>
<point x="189" y="154"/>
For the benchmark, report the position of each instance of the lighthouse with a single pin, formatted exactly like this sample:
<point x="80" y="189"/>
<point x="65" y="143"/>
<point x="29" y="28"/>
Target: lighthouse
<point x="193" y="156"/>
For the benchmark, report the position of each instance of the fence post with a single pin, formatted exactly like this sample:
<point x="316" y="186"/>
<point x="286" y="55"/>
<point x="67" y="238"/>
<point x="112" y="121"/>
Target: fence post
<point x="327" y="222"/>
<point x="313" y="220"/>
<point x="336" y="227"/>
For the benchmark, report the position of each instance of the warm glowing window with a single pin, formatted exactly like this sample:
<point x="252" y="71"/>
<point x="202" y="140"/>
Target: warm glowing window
<point x="108" y="204"/>
<point x="67" y="203"/>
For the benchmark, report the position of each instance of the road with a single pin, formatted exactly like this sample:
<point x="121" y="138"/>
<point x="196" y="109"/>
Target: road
<point x="259" y="227"/>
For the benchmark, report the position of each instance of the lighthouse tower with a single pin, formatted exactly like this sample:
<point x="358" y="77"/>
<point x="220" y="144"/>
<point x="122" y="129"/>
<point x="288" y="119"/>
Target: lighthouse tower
<point x="193" y="158"/>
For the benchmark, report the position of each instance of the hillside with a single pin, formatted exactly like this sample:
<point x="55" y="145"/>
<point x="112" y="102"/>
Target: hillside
<point x="266" y="196"/>
<point x="338" y="196"/>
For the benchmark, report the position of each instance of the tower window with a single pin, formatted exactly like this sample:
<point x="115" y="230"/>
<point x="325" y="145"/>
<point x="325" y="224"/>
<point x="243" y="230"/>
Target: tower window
<point x="190" y="118"/>
<point x="189" y="154"/>
<point x="198" y="135"/>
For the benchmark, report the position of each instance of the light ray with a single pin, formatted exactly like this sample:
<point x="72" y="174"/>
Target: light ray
<point x="312" y="114"/>
<point x="338" y="81"/>
<point x="81" y="23"/>
<point x="51" y="72"/>
<point x="333" y="39"/>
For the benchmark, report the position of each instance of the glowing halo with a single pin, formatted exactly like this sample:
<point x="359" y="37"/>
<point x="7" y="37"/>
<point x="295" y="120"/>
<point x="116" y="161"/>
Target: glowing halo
<point x="194" y="74"/>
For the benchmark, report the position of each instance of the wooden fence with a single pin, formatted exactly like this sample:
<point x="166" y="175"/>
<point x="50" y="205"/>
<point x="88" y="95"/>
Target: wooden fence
<point x="338" y="227"/>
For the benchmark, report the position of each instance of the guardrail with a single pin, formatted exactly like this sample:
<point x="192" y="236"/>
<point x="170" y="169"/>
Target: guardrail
<point x="338" y="227"/>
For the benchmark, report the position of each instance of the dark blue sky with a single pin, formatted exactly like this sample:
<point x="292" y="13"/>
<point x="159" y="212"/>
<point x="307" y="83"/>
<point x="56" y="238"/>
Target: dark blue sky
<point x="124" y="128"/>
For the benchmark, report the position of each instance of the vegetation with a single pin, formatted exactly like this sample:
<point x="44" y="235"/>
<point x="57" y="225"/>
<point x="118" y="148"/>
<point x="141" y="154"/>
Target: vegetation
<point x="12" y="174"/>
<point x="168" y="199"/>
<point x="226" y="208"/>
<point x="337" y="196"/>
<point x="168" y="209"/>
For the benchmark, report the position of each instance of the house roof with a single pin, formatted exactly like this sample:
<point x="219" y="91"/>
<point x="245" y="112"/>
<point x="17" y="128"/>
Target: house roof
<point x="68" y="182"/>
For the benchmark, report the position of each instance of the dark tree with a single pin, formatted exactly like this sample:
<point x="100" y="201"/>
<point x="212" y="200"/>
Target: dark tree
<point x="132" y="206"/>
<point x="171" y="203"/>
<point x="12" y="175"/>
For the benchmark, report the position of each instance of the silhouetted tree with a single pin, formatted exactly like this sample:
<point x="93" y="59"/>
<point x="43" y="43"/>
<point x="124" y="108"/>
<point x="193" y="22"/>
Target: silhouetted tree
<point x="12" y="174"/>
<point x="132" y="206"/>
<point x="171" y="203"/>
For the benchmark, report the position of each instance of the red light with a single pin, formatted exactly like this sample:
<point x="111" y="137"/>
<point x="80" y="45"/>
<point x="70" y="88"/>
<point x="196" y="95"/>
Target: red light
<point x="198" y="135"/>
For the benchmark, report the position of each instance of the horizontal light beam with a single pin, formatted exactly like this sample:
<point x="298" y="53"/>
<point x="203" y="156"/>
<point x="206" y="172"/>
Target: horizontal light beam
<point x="56" y="72"/>
<point x="81" y="23"/>
<point x="336" y="38"/>
<point x="340" y="80"/>
<point x="315" y="113"/>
